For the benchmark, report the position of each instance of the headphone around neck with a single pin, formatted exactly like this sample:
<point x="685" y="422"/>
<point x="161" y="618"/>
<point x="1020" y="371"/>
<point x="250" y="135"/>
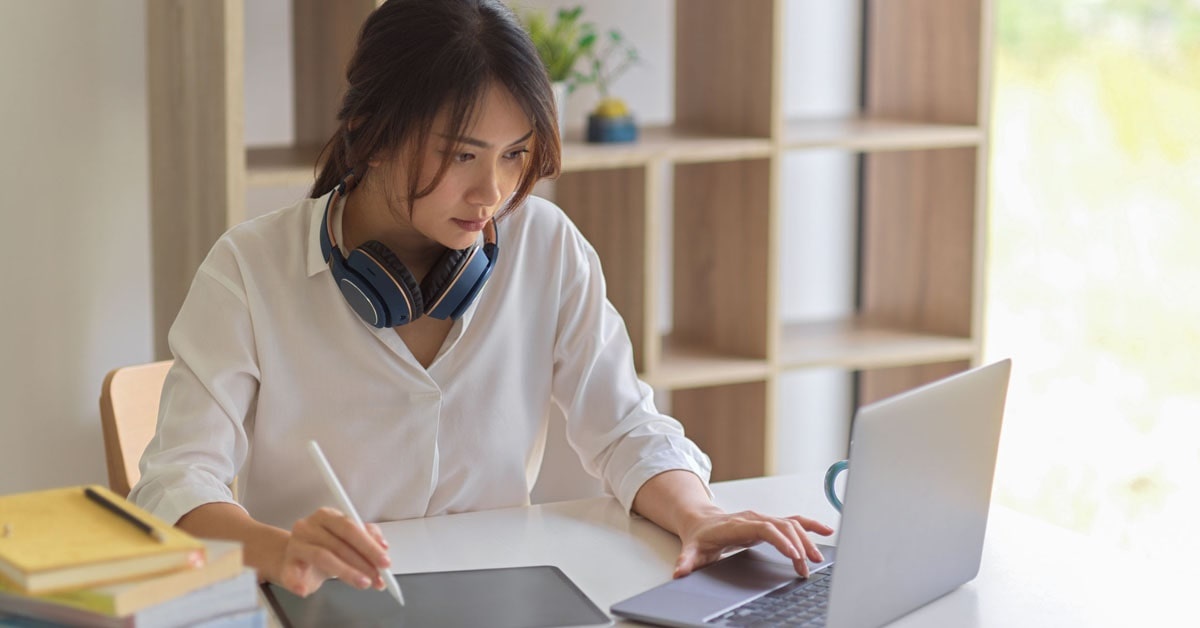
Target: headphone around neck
<point x="384" y="293"/>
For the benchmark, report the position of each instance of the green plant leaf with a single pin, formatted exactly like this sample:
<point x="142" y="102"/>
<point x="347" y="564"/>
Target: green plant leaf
<point x="562" y="42"/>
<point x="569" y="16"/>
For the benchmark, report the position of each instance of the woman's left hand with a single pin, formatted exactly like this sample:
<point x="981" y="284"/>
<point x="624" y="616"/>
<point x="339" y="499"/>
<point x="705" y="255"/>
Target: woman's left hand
<point x="706" y="537"/>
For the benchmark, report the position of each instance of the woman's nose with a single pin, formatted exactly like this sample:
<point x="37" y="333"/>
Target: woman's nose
<point x="485" y="189"/>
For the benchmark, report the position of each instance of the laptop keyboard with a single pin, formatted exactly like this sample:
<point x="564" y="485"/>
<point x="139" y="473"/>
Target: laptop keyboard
<point x="801" y="604"/>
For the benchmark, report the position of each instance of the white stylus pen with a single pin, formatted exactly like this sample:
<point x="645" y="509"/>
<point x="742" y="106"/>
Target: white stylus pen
<point x="343" y="499"/>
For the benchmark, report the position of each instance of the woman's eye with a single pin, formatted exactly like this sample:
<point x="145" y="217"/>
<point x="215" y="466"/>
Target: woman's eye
<point x="463" y="158"/>
<point x="516" y="154"/>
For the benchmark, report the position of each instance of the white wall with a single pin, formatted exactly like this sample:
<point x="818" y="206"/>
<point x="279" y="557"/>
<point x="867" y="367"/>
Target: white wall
<point x="75" y="275"/>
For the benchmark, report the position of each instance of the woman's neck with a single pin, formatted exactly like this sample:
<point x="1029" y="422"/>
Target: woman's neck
<point x="366" y="216"/>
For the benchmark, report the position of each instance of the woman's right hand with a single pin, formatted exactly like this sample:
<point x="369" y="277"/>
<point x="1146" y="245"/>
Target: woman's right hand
<point x="328" y="544"/>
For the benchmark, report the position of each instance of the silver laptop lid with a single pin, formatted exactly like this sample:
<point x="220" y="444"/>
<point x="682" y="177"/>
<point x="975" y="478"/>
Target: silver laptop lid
<point x="917" y="496"/>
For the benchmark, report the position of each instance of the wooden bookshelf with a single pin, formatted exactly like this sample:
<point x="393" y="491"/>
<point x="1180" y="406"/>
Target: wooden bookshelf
<point x="693" y="365"/>
<point x="874" y="134"/>
<point x="855" y="344"/>
<point x="921" y="134"/>
<point x="281" y="166"/>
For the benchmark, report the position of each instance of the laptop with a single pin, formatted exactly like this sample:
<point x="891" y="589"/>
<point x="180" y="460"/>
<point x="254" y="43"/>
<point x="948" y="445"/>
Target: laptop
<point x="916" y="508"/>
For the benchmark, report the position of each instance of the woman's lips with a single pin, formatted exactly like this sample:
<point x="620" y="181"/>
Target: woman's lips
<point x="470" y="225"/>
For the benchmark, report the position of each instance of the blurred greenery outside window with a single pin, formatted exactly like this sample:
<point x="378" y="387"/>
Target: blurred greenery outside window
<point x="1094" y="266"/>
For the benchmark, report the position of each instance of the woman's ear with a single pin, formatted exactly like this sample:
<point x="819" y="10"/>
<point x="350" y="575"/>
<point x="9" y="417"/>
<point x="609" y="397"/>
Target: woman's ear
<point x="351" y="126"/>
<point x="384" y="158"/>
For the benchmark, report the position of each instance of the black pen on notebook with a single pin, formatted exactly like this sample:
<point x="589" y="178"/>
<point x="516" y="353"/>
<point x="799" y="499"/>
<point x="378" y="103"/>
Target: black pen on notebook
<point x="348" y="509"/>
<point x="125" y="514"/>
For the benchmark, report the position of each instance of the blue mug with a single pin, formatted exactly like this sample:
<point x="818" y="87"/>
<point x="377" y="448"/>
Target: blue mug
<point x="830" y="477"/>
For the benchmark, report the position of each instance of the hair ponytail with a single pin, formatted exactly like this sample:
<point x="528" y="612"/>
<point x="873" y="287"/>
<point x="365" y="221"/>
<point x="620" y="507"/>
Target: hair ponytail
<point x="333" y="163"/>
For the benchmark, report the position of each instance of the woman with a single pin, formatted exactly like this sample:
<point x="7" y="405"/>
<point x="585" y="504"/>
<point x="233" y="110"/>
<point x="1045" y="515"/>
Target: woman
<point x="370" y="318"/>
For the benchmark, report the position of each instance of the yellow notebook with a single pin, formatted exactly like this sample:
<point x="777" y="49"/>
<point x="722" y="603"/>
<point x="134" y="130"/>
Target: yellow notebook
<point x="58" y="539"/>
<point x="126" y="598"/>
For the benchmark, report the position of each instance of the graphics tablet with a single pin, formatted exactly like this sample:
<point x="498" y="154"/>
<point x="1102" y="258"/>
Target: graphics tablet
<point x="516" y="597"/>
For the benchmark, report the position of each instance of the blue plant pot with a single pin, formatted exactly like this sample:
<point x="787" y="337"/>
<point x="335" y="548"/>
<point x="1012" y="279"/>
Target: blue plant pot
<point x="606" y="129"/>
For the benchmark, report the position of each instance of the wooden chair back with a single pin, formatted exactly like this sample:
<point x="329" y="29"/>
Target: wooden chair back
<point x="129" y="414"/>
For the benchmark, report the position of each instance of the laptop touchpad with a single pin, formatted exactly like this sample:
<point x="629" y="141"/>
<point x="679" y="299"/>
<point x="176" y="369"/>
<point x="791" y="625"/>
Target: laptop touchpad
<point x="767" y="552"/>
<point x="715" y="589"/>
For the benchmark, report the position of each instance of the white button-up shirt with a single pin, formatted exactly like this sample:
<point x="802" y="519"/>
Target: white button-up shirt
<point x="268" y="354"/>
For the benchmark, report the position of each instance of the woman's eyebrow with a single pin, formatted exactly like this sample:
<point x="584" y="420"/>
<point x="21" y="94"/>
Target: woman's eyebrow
<point x="482" y="144"/>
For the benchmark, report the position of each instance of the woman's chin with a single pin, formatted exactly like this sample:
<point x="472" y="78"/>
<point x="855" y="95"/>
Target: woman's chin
<point x="460" y="241"/>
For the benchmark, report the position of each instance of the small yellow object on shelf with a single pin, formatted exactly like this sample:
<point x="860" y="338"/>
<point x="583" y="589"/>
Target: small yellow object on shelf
<point x="611" y="108"/>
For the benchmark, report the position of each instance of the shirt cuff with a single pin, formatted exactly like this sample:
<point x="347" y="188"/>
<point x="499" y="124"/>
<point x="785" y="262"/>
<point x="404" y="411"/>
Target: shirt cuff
<point x="170" y="501"/>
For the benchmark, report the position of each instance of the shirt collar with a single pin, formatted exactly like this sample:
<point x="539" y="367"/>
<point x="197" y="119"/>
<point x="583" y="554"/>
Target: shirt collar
<point x="316" y="261"/>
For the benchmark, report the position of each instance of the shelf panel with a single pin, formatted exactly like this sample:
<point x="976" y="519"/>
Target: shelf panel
<point x="659" y="142"/>
<point x="730" y="424"/>
<point x="687" y="365"/>
<point x="874" y="134"/>
<point x="281" y="166"/>
<point x="855" y="344"/>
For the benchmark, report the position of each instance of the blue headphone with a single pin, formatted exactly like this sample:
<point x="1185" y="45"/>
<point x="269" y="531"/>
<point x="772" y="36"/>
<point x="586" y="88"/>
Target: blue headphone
<point x="385" y="294"/>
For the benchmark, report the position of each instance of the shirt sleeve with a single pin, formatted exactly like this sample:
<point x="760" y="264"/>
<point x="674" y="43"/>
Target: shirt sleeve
<point x="612" y="422"/>
<point x="209" y="393"/>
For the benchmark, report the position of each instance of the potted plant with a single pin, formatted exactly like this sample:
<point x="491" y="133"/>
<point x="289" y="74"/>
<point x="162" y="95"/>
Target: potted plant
<point x="611" y="120"/>
<point x="560" y="44"/>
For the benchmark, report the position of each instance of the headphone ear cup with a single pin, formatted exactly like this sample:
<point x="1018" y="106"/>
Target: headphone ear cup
<point x="438" y="279"/>
<point x="358" y="292"/>
<point x="391" y="280"/>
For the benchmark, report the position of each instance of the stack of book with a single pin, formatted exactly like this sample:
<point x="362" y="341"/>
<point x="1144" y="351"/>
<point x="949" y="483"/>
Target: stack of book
<point x="83" y="556"/>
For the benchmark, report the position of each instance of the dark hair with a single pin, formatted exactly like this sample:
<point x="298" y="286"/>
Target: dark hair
<point x="416" y="57"/>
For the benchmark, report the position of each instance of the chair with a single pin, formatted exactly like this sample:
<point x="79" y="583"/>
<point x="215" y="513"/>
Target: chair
<point x="128" y="415"/>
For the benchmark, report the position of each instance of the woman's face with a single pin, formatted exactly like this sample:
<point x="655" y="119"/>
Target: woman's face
<point x="485" y="167"/>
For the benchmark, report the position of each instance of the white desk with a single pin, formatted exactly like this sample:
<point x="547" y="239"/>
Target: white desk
<point x="1033" y="574"/>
